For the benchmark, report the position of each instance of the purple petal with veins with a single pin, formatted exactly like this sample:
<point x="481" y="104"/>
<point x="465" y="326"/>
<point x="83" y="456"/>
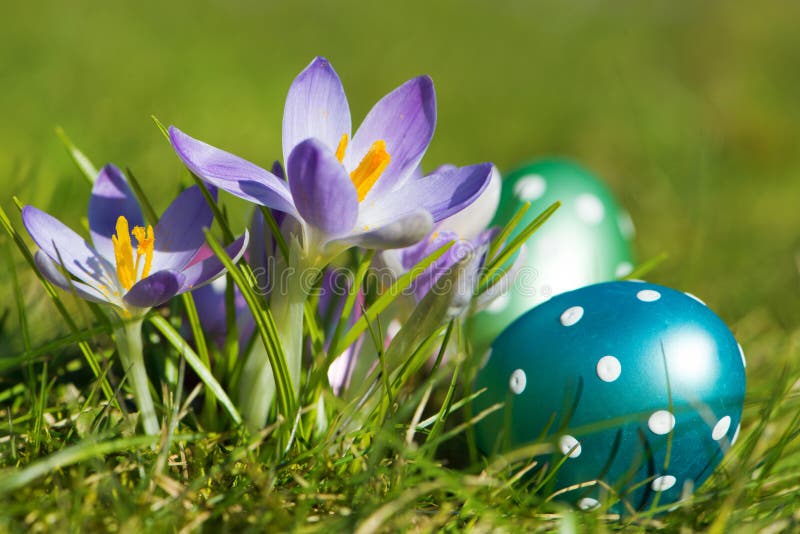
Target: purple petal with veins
<point x="405" y="119"/>
<point x="208" y="269"/>
<point x="64" y="246"/>
<point x="402" y="231"/>
<point x="179" y="232"/>
<point x="50" y="270"/>
<point x="443" y="194"/>
<point x="232" y="173"/>
<point x="316" y="106"/>
<point x="111" y="198"/>
<point x="154" y="290"/>
<point x="322" y="190"/>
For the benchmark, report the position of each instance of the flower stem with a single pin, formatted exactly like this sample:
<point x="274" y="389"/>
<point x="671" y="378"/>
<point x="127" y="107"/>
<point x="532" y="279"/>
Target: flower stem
<point x="287" y="301"/>
<point x="257" y="384"/>
<point x="128" y="336"/>
<point x="256" y="388"/>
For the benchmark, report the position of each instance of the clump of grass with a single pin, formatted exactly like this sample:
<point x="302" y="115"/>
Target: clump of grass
<point x="71" y="459"/>
<point x="397" y="454"/>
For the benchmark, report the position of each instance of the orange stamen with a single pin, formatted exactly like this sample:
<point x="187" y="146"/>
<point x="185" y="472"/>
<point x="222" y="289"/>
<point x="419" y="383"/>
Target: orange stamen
<point x="370" y="169"/>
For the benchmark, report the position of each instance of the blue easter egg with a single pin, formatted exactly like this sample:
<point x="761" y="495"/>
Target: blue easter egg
<point x="637" y="386"/>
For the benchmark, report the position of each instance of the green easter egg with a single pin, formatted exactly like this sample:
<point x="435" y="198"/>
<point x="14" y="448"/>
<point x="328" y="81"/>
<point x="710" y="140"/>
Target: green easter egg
<point x="586" y="241"/>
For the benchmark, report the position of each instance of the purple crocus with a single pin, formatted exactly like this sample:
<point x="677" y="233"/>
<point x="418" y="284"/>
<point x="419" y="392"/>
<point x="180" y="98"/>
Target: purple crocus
<point x="344" y="190"/>
<point x="467" y="230"/>
<point x="111" y="269"/>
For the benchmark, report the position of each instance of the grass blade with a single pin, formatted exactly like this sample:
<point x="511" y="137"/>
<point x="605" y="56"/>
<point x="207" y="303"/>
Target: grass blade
<point x="194" y="361"/>
<point x="395" y="290"/>
<point x="265" y="325"/>
<point x="83" y="163"/>
<point x="84" y="347"/>
<point x="13" y="479"/>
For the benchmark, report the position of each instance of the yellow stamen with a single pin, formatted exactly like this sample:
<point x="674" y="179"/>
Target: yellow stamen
<point x="127" y="270"/>
<point x="123" y="254"/>
<point x="145" y="241"/>
<point x="340" y="150"/>
<point x="370" y="168"/>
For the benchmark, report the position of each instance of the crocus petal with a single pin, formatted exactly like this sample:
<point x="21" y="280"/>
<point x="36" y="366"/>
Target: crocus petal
<point x="473" y="219"/>
<point x="154" y="290"/>
<point x="179" y="232"/>
<point x="401" y="232"/>
<point x="405" y="119"/>
<point x="50" y="270"/>
<point x="232" y="173"/>
<point x="316" y="106"/>
<point x="61" y="244"/>
<point x="205" y="271"/>
<point x="442" y="194"/>
<point x="111" y="197"/>
<point x="322" y="190"/>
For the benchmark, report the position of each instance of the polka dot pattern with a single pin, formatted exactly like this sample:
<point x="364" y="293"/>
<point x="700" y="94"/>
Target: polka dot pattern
<point x="530" y="187"/>
<point x="518" y="381"/>
<point x="661" y="422"/>
<point x="721" y="428"/>
<point x="623" y="269"/>
<point x="587" y="503"/>
<point x="608" y="368"/>
<point x="648" y="295"/>
<point x="577" y="365"/>
<point x="569" y="446"/>
<point x="589" y="209"/>
<point x="663" y="483"/>
<point x="571" y="316"/>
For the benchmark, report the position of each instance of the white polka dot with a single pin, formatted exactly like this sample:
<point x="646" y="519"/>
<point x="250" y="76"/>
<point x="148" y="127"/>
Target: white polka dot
<point x="741" y="353"/>
<point x="518" y="381"/>
<point x="571" y="315"/>
<point x="661" y="422"/>
<point x="626" y="225"/>
<point x="736" y="434"/>
<point x="587" y="503"/>
<point x="589" y="208"/>
<point x="569" y="445"/>
<point x="623" y="269"/>
<point x="694" y="297"/>
<point x="636" y="281"/>
<point x="663" y="483"/>
<point x="721" y="428"/>
<point x="499" y="304"/>
<point x="530" y="187"/>
<point x="648" y="295"/>
<point x="608" y="368"/>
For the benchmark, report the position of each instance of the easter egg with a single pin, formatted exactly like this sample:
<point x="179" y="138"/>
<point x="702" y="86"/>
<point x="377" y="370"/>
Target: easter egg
<point x="586" y="241"/>
<point x="635" y="385"/>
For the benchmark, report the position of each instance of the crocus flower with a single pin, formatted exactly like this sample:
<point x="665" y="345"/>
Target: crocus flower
<point x="112" y="269"/>
<point x="468" y="231"/>
<point x="130" y="278"/>
<point x="347" y="190"/>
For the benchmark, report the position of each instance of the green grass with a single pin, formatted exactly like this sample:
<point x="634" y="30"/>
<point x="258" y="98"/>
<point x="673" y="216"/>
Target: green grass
<point x="690" y="113"/>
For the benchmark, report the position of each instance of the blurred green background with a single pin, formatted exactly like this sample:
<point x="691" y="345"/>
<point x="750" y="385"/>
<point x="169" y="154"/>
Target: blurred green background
<point x="689" y="110"/>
